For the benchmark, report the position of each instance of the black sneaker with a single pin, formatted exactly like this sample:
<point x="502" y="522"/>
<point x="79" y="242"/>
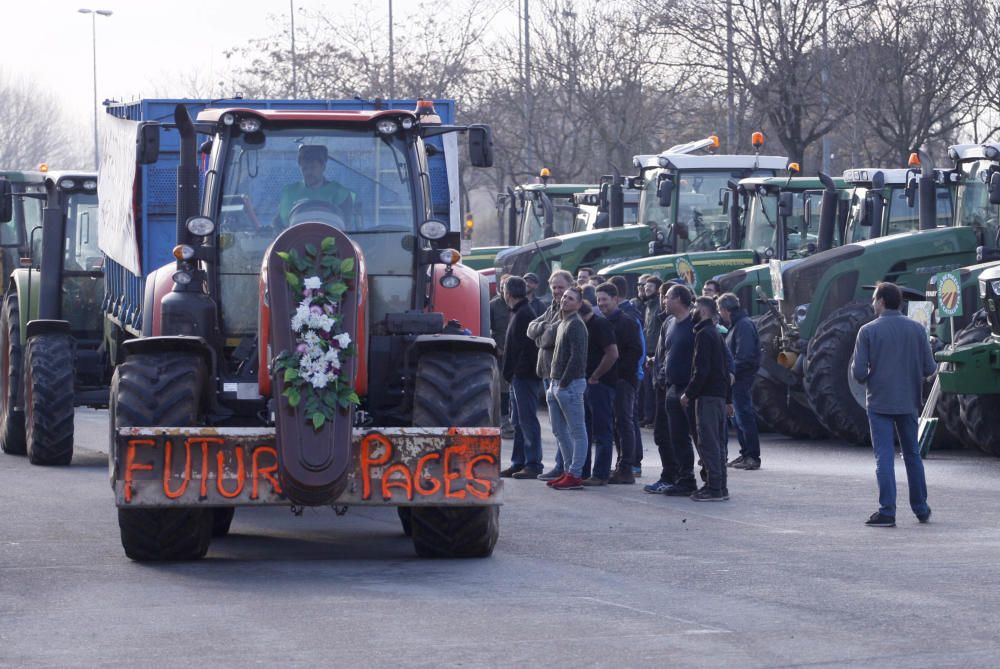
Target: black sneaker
<point x="510" y="471"/>
<point x="725" y="494"/>
<point x="924" y="517"/>
<point x="749" y="463"/>
<point x="674" y="490"/>
<point x="878" y="520"/>
<point x="735" y="461"/>
<point x="528" y="473"/>
<point x="550" y="475"/>
<point x="706" y="495"/>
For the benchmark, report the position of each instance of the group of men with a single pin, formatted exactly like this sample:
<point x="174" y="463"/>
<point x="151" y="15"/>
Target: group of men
<point x="683" y="365"/>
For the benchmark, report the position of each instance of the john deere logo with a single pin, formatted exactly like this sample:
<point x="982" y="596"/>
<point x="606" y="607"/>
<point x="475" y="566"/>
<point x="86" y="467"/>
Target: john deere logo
<point x="949" y="292"/>
<point x="685" y="271"/>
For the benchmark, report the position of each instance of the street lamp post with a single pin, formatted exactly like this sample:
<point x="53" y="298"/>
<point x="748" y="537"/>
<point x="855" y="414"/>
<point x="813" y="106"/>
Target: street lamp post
<point x="93" y="39"/>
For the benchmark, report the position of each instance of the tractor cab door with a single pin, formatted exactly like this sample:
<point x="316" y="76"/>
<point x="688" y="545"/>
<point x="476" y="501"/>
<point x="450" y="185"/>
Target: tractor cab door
<point x="83" y="268"/>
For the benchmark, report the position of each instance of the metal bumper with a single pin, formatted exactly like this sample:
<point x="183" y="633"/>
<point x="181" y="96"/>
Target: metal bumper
<point x="973" y="369"/>
<point x="399" y="466"/>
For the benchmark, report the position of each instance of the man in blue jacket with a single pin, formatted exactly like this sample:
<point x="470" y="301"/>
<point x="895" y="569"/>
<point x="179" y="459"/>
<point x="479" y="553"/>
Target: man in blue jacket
<point x="744" y="343"/>
<point x="892" y="357"/>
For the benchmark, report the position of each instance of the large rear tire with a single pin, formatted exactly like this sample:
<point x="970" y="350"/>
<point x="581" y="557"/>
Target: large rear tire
<point x="455" y="390"/>
<point x="834" y="395"/>
<point x="774" y="403"/>
<point x="150" y="390"/>
<point x="949" y="408"/>
<point x="48" y="398"/>
<point x="12" y="438"/>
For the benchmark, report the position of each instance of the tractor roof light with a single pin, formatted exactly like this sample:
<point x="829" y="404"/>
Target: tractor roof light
<point x="200" y="225"/>
<point x="425" y="107"/>
<point x="715" y="142"/>
<point x="67" y="184"/>
<point x="914" y="160"/>
<point x="794" y="168"/>
<point x="250" y="124"/>
<point x="228" y="119"/>
<point x="183" y="252"/>
<point x="90" y="184"/>
<point x="387" y="126"/>
<point x="406" y="122"/>
<point x="450" y="257"/>
<point x="757" y="139"/>
<point x="545" y="173"/>
<point x="991" y="152"/>
<point x="43" y="167"/>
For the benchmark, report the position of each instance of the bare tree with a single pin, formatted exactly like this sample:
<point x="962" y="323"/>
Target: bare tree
<point x="34" y="130"/>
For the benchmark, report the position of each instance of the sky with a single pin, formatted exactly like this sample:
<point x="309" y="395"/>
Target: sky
<point x="143" y="47"/>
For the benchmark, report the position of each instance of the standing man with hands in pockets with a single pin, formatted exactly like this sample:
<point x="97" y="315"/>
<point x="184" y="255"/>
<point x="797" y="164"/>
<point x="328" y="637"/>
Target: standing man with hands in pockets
<point x="892" y="357"/>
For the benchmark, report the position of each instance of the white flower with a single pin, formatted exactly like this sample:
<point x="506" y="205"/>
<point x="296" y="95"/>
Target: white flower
<point x="318" y="381"/>
<point x="301" y="318"/>
<point x="343" y="339"/>
<point x="313" y="283"/>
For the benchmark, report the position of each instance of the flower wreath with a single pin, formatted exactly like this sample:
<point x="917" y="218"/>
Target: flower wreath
<point x="313" y="371"/>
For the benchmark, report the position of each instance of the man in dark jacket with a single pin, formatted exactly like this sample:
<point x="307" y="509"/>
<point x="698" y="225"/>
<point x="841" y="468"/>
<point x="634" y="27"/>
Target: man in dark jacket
<point x="602" y="378"/>
<point x="499" y="320"/>
<point x="709" y="390"/>
<point x="628" y="307"/>
<point x="520" y="358"/>
<point x="651" y="333"/>
<point x="744" y="343"/>
<point x="892" y="357"/>
<point x="629" y="341"/>
<point x="532" y="282"/>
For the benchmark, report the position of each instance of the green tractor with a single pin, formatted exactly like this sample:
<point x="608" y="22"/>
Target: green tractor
<point x="53" y="305"/>
<point x="823" y="300"/>
<point x="682" y="208"/>
<point x="528" y="213"/>
<point x="593" y="205"/>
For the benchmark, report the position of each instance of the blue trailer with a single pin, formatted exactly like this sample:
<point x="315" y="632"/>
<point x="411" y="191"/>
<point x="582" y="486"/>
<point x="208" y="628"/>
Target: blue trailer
<point x="157" y="193"/>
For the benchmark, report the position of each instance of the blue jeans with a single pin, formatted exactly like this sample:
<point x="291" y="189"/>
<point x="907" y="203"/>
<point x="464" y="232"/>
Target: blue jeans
<point x="524" y="417"/>
<point x="600" y="401"/>
<point x="568" y="425"/>
<point x="745" y="419"/>
<point x="905" y="427"/>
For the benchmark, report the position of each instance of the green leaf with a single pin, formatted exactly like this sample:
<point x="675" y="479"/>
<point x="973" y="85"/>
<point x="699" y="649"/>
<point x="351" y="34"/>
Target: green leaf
<point x="291" y="374"/>
<point x="353" y="398"/>
<point x="338" y="289"/>
<point x="347" y="265"/>
<point x="311" y="250"/>
<point x="328" y="244"/>
<point x="292" y="393"/>
<point x="283" y="255"/>
<point x="318" y="419"/>
<point x="293" y="280"/>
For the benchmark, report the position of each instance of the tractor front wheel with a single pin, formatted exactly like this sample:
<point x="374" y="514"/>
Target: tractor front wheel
<point x="48" y="398"/>
<point x="958" y="432"/>
<point x="774" y="403"/>
<point x="154" y="390"/>
<point x="455" y="390"/>
<point x="839" y="401"/>
<point x="12" y="439"/>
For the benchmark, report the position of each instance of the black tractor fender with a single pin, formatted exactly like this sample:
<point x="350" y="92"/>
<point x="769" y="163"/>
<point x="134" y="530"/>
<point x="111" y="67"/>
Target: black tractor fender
<point x="172" y="344"/>
<point x="454" y="343"/>
<point x="41" y="326"/>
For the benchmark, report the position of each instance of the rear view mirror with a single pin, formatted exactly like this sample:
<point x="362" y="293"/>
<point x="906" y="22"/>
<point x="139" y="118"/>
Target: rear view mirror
<point x="785" y="204"/>
<point x="878" y="180"/>
<point x="911" y="192"/>
<point x="806" y="213"/>
<point x="724" y="201"/>
<point x="995" y="188"/>
<point x="480" y="146"/>
<point x="665" y="191"/>
<point x="147" y="143"/>
<point x="6" y="201"/>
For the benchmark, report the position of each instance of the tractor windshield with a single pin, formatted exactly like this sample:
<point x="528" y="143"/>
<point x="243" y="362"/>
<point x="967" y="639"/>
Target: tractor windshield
<point x="533" y="217"/>
<point x="974" y="208"/>
<point x="801" y="232"/>
<point x="82" y="284"/>
<point x="899" y="216"/>
<point x="353" y="179"/>
<point x="699" y="207"/>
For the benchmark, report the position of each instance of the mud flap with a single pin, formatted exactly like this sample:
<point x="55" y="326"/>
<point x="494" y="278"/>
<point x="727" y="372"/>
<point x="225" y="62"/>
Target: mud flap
<point x="313" y="465"/>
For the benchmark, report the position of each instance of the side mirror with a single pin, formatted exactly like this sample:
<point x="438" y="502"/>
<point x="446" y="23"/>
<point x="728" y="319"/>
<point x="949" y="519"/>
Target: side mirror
<point x="480" y="146"/>
<point x="665" y="191"/>
<point x="602" y="198"/>
<point x="681" y="230"/>
<point x="911" y="192"/>
<point x="995" y="188"/>
<point x="6" y="201"/>
<point x="724" y="201"/>
<point x="147" y="143"/>
<point x="878" y="180"/>
<point x="786" y="204"/>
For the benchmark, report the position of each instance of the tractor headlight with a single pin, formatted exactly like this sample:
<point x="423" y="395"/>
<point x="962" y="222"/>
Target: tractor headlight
<point x="228" y="119"/>
<point x="406" y="122"/>
<point x="800" y="313"/>
<point x="67" y="184"/>
<point x="387" y="126"/>
<point x="182" y="278"/>
<point x="450" y="281"/>
<point x="250" y="124"/>
<point x="200" y="225"/>
<point x="982" y="288"/>
<point x="433" y="230"/>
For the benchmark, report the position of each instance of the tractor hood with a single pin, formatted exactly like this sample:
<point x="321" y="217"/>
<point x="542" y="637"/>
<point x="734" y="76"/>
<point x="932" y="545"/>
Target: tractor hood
<point x="594" y="248"/>
<point x="693" y="268"/>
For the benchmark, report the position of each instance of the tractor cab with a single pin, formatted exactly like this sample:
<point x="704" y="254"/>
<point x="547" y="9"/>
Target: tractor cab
<point x="884" y="202"/>
<point x="594" y="204"/>
<point x="22" y="200"/>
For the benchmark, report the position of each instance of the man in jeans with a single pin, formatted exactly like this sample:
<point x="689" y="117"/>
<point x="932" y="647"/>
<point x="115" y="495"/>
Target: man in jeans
<point x="602" y="377"/>
<point x="709" y="391"/>
<point x="542" y="331"/>
<point x="520" y="358"/>
<point x="744" y="343"/>
<point x="565" y="394"/>
<point x="892" y="357"/>
<point x="630" y="352"/>
<point x="499" y="320"/>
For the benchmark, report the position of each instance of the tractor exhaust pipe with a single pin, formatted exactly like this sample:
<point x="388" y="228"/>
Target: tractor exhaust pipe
<point x="828" y="213"/>
<point x="187" y="172"/>
<point x="616" y="206"/>
<point x="927" y="193"/>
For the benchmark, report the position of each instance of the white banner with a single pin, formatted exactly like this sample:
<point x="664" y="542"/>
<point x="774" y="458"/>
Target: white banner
<point x="115" y="185"/>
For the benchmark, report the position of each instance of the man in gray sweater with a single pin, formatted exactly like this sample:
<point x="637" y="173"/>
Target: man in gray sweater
<point x="892" y="357"/>
<point x="566" y="388"/>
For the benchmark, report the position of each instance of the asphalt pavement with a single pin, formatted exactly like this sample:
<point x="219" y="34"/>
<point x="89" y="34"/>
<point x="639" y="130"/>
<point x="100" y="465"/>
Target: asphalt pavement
<point x="785" y="574"/>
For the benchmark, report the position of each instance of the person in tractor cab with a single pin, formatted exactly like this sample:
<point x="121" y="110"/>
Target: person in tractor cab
<point x="315" y="191"/>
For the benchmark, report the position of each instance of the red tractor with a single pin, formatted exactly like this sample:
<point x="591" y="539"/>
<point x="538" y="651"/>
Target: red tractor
<point x="316" y="343"/>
